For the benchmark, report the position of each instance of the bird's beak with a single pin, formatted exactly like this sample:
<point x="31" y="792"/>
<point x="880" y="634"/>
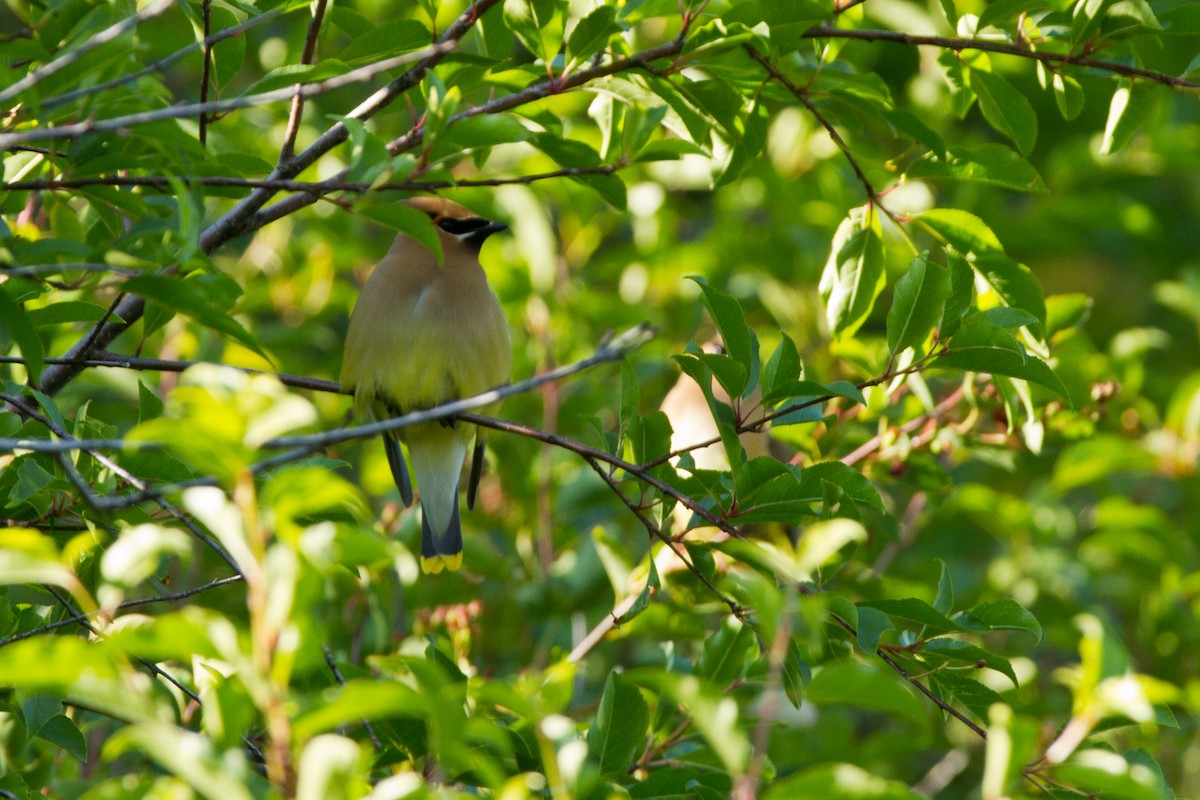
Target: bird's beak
<point x="478" y="236"/>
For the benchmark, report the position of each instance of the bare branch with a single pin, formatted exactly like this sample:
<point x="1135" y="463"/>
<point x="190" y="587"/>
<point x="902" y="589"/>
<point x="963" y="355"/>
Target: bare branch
<point x="206" y="69"/>
<point x="306" y="57"/>
<point x="612" y="350"/>
<point x="1046" y="57"/>
<point x="166" y="365"/>
<point x="163" y="183"/>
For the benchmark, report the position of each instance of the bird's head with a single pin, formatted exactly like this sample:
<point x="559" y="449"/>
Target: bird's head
<point x="455" y="222"/>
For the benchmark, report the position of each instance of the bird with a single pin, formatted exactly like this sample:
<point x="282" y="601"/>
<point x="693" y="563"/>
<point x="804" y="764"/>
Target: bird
<point x="423" y="333"/>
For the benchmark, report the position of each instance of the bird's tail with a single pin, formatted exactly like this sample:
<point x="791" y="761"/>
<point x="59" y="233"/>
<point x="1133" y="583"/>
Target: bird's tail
<point x="441" y="551"/>
<point x="437" y="453"/>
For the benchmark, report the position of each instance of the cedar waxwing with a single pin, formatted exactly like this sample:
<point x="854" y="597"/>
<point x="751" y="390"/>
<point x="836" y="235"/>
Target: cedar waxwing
<point x="422" y="334"/>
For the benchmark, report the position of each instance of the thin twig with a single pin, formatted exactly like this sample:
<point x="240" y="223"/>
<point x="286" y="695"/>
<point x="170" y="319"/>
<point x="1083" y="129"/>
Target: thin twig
<point x="140" y="363"/>
<point x="657" y="532"/>
<point x="128" y="604"/>
<point x="337" y="676"/>
<point x="206" y="69"/>
<point x="958" y="44"/>
<point x="71" y="56"/>
<point x="161" y="64"/>
<point x="306" y="57"/>
<point x="164" y="183"/>
<point x="612" y="350"/>
<point x="105" y="503"/>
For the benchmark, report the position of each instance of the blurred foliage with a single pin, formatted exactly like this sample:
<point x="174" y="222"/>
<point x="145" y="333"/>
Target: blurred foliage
<point x="929" y="528"/>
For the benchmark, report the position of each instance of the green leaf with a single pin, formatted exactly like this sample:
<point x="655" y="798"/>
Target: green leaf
<point x="1101" y="772"/>
<point x="980" y="346"/>
<point x="853" y="483"/>
<point x="714" y="714"/>
<point x="796" y="674"/>
<point x="911" y="124"/>
<point x="739" y="341"/>
<point x="358" y="700"/>
<point x="725" y="654"/>
<point x="944" y="602"/>
<point x="16" y="326"/>
<point x="1003" y="11"/>
<point x="990" y="163"/>
<point x="538" y="24"/>
<point x="1015" y="283"/>
<point x="854" y="273"/>
<point x="406" y="220"/>
<point x="385" y="39"/>
<point x="67" y="311"/>
<point x="912" y="609"/>
<point x="1068" y="95"/>
<point x="204" y="298"/>
<point x="916" y="304"/>
<point x="1086" y="18"/>
<point x="962" y="653"/>
<point x="838" y="782"/>
<point x="956" y="74"/>
<point x="187" y="755"/>
<point x="292" y="74"/>
<point x="783" y="367"/>
<point x="1067" y="311"/>
<point x="592" y="33"/>
<point x="1005" y="109"/>
<point x="968" y="691"/>
<point x="767" y="491"/>
<point x="966" y="232"/>
<point x="653" y="584"/>
<point x="787" y="22"/>
<point x="1132" y="105"/>
<point x="860" y="685"/>
<point x="1001" y="614"/>
<point x="822" y="541"/>
<point x="60" y="730"/>
<point x="330" y="770"/>
<point x="872" y="624"/>
<point x="962" y="294"/>
<point x="618" y="734"/>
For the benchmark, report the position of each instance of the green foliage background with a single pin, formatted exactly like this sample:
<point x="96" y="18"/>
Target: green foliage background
<point x="973" y="224"/>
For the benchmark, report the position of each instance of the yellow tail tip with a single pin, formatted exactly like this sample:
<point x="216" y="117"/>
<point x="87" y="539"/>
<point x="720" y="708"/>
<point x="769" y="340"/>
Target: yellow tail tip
<point x="435" y="564"/>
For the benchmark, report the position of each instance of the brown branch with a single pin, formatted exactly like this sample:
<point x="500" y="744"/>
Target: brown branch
<point x="166" y="365"/>
<point x="306" y="57"/>
<point x="657" y="532"/>
<point x="874" y="443"/>
<point x="959" y="44"/>
<point x="872" y="194"/>
<point x="163" y="183"/>
<point x="206" y="70"/>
